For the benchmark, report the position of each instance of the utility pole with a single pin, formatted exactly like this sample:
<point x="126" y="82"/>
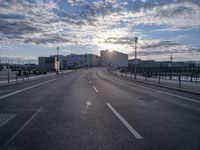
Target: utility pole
<point x="29" y="69"/>
<point x="171" y="58"/>
<point x="135" y="71"/>
<point x="23" y="65"/>
<point x="57" y="61"/>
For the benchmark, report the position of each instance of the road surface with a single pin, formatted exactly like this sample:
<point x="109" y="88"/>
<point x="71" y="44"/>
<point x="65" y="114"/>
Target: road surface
<point x="91" y="110"/>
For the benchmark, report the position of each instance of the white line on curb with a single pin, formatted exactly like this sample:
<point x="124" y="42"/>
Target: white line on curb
<point x="130" y="128"/>
<point x="186" y="98"/>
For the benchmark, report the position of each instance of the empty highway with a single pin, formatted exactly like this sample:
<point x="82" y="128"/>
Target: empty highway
<point x="89" y="109"/>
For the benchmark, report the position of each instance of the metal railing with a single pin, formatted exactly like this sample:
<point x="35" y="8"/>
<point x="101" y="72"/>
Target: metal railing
<point x="170" y="76"/>
<point x="7" y="77"/>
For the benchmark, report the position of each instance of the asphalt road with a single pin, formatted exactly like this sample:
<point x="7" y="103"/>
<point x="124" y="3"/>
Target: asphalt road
<point x="92" y="110"/>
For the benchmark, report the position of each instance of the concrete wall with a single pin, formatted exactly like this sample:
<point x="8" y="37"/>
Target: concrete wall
<point x="95" y="60"/>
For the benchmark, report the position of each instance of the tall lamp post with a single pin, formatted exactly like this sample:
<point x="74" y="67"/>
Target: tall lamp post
<point x="57" y="65"/>
<point x="170" y="65"/>
<point x="135" y="62"/>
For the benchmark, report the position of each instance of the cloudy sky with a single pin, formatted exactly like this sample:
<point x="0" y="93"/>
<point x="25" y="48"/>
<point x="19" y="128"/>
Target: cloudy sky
<point x="32" y="28"/>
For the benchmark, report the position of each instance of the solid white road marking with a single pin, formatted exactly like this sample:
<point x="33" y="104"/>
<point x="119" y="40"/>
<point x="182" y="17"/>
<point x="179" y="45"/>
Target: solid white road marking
<point x="130" y="128"/>
<point x="151" y="89"/>
<point x="178" y="96"/>
<point x="27" y="88"/>
<point x="95" y="89"/>
<point x="9" y="94"/>
<point x="4" y="121"/>
<point x="186" y="98"/>
<point x="20" y="129"/>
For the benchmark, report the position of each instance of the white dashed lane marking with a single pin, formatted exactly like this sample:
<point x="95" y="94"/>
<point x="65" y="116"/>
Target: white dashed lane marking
<point x="95" y="89"/>
<point x="129" y="127"/>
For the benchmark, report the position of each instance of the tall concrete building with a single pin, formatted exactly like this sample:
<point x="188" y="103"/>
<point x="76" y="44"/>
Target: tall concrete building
<point x="113" y="59"/>
<point x="81" y="60"/>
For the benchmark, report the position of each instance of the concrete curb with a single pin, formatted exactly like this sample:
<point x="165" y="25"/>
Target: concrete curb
<point x="163" y="86"/>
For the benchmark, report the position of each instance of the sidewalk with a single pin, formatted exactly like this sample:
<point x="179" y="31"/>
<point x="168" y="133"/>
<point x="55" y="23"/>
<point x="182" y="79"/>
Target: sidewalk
<point x="19" y="80"/>
<point x="192" y="87"/>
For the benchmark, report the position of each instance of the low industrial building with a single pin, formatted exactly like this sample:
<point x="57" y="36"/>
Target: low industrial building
<point x="113" y="59"/>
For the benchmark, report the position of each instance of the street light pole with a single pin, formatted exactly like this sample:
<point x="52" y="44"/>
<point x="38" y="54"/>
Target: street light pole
<point x="170" y="71"/>
<point x="135" y="71"/>
<point x="57" y="61"/>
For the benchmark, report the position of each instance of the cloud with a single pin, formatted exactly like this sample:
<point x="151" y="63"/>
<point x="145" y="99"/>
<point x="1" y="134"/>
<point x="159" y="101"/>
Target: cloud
<point x="148" y="48"/>
<point x="43" y="16"/>
<point x="168" y="29"/>
<point x="17" y="28"/>
<point x="28" y="19"/>
<point x="46" y="40"/>
<point x="102" y="23"/>
<point x="162" y="48"/>
<point x="159" y="44"/>
<point x="180" y="14"/>
<point x="121" y="41"/>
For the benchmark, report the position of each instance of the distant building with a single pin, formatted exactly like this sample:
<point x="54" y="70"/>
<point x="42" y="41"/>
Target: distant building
<point x="113" y="59"/>
<point x="60" y="62"/>
<point x="27" y="66"/>
<point x="149" y="63"/>
<point x="47" y="63"/>
<point x="177" y="64"/>
<point x="132" y="62"/>
<point x="80" y="60"/>
<point x="162" y="64"/>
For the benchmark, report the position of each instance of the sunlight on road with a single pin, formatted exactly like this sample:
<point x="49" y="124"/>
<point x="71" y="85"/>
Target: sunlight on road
<point x="88" y="104"/>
